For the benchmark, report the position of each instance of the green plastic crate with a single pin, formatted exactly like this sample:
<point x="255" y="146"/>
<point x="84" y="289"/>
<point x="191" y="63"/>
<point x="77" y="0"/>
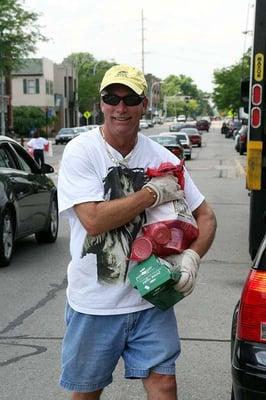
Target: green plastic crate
<point x="155" y="281"/>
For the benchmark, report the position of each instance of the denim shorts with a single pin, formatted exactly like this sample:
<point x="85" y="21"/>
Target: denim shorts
<point x="146" y="340"/>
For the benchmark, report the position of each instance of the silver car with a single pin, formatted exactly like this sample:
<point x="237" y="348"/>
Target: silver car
<point x="67" y="134"/>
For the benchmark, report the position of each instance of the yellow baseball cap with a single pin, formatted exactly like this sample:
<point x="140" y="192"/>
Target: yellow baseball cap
<point x="125" y="75"/>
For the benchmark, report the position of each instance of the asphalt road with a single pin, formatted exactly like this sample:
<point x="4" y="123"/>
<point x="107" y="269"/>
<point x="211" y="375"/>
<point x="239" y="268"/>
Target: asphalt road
<point x="33" y="295"/>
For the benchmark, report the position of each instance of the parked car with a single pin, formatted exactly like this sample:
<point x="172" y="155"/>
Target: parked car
<point x="171" y="143"/>
<point x="194" y="136"/>
<point x="66" y="134"/>
<point x="243" y="133"/>
<point x="248" y="334"/>
<point x="28" y="202"/>
<point x="90" y="127"/>
<point x="241" y="140"/>
<point x="157" y="120"/>
<point x="224" y="128"/>
<point x="203" y="125"/>
<point x="184" y="140"/>
<point x="181" y="118"/>
<point x="176" y="126"/>
<point x="150" y="123"/>
<point x="233" y="127"/>
<point x="143" y="124"/>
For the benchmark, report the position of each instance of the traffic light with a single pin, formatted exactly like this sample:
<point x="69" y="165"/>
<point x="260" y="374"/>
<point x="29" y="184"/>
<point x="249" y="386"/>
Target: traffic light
<point x="244" y="94"/>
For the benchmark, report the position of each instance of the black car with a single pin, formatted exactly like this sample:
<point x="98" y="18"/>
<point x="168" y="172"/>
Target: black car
<point x="233" y="128"/>
<point x="248" y="338"/>
<point x="171" y="143"/>
<point x="28" y="199"/>
<point x="203" y="125"/>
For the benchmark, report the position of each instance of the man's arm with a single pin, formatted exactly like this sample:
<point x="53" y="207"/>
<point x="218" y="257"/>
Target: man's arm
<point x="104" y="216"/>
<point x="206" y="222"/>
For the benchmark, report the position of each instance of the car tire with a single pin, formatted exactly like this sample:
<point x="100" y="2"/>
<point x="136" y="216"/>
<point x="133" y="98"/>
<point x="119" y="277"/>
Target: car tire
<point x="199" y="145"/>
<point x="6" y="238"/>
<point x="50" y="235"/>
<point x="188" y="157"/>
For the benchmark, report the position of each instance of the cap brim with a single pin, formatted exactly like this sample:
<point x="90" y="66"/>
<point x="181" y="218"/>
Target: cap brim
<point x="125" y="82"/>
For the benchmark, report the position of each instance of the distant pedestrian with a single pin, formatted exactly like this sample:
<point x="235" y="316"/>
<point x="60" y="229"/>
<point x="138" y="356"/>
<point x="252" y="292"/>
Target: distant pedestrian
<point x="37" y="144"/>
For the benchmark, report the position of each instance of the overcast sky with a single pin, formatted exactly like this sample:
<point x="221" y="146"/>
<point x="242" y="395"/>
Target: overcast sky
<point x="190" y="37"/>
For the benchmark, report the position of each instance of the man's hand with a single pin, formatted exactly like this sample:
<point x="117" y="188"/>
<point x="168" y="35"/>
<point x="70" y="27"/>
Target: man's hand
<point x="188" y="264"/>
<point x="166" y="188"/>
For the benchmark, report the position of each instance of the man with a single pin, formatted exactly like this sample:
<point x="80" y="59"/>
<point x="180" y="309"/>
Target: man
<point x="104" y="191"/>
<point x="37" y="145"/>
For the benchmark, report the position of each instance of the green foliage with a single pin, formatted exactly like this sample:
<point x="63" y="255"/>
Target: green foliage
<point x="27" y="118"/>
<point x="90" y="74"/>
<point x="19" y="34"/>
<point x="227" y="83"/>
<point x="180" y="87"/>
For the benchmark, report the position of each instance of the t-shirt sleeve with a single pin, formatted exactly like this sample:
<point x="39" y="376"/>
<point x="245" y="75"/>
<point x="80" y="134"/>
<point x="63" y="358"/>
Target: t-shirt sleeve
<point x="78" y="181"/>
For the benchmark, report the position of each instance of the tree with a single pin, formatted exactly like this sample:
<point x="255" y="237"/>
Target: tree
<point x="185" y="95"/>
<point x="90" y="74"/>
<point x="27" y="118"/>
<point x="227" y="81"/>
<point x="19" y="34"/>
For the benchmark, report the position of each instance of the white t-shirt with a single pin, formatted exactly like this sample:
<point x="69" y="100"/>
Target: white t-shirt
<point x="97" y="273"/>
<point x="37" y="143"/>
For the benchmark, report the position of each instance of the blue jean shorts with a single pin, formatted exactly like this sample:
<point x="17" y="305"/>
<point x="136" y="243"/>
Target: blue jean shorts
<point x="93" y="344"/>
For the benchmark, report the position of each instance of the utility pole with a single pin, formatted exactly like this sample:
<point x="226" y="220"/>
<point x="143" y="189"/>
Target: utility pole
<point x="94" y="112"/>
<point x="142" y="41"/>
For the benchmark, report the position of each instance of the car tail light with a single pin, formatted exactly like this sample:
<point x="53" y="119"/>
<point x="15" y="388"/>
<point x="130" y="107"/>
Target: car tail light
<point x="177" y="152"/>
<point x="252" y="312"/>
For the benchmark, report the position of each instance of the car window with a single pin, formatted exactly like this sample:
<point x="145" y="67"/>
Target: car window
<point x="182" y="137"/>
<point x="26" y="162"/>
<point x="66" y="131"/>
<point x="6" y="158"/>
<point x="164" y="140"/>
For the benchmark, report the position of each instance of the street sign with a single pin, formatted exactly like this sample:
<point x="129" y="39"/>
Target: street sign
<point x="87" y="115"/>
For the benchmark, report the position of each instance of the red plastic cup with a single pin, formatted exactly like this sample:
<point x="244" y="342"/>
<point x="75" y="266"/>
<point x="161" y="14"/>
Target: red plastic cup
<point x="141" y="249"/>
<point x="159" y="232"/>
<point x="176" y="244"/>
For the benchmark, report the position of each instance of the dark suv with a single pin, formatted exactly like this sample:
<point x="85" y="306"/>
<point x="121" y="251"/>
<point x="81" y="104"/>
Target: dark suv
<point x="203" y="125"/>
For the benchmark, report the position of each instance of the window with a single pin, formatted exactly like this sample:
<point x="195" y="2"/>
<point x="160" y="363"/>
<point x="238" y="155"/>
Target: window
<point x="49" y="87"/>
<point x="25" y="160"/>
<point x="6" y="159"/>
<point x="31" y="86"/>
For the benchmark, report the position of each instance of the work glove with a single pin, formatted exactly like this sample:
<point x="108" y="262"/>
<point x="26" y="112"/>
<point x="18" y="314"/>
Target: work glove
<point x="188" y="264"/>
<point x="166" y="188"/>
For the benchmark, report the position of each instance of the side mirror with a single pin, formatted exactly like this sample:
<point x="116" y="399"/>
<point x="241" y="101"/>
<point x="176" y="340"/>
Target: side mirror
<point x="47" y="169"/>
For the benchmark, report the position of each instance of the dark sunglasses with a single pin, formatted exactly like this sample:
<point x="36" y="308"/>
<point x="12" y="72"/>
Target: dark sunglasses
<point x="130" y="100"/>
